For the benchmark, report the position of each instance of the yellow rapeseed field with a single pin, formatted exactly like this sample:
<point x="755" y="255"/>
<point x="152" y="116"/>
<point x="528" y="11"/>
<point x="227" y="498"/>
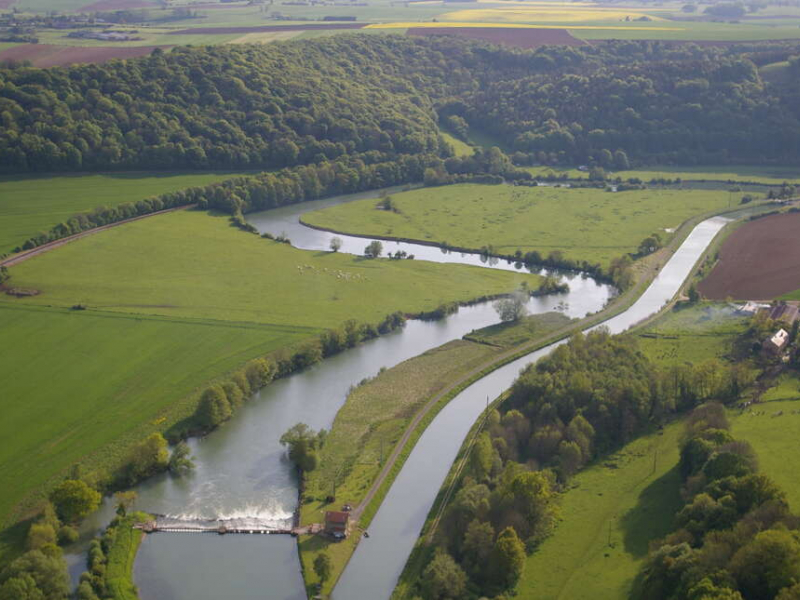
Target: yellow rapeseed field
<point x="409" y="24"/>
<point x="560" y="14"/>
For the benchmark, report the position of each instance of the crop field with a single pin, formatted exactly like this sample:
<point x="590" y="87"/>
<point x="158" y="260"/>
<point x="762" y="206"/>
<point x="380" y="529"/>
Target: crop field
<point x="608" y="517"/>
<point x="166" y="262"/>
<point x="545" y="12"/>
<point x="29" y="205"/>
<point x="585" y="224"/>
<point x="265" y="37"/>
<point x="43" y="55"/>
<point x="758" y="261"/>
<point x="98" y="378"/>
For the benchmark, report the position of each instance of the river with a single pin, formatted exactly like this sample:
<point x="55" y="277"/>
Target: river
<point x="241" y="469"/>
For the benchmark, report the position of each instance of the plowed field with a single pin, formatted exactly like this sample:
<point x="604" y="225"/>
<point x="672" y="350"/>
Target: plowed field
<point x="759" y="261"/>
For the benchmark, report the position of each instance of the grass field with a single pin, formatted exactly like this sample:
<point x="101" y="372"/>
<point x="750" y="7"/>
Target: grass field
<point x="376" y="414"/>
<point x="692" y="334"/>
<point x="91" y="379"/>
<point x="768" y="175"/>
<point x="460" y="148"/>
<point x="791" y="295"/>
<point x="29" y="205"/>
<point x="224" y="297"/>
<point x="585" y="224"/>
<point x="612" y="512"/>
<point x="121" y="556"/>
<point x="775" y="437"/>
<point x="187" y="264"/>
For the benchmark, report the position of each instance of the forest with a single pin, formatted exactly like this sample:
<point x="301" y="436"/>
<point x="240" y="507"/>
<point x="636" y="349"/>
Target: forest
<point x="380" y="97"/>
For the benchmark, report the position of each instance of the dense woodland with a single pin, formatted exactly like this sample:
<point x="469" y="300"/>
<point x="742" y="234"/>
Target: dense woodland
<point x="380" y="97"/>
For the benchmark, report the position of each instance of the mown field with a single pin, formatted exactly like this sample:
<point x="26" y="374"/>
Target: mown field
<point x="29" y="205"/>
<point x="115" y="372"/>
<point x="585" y="224"/>
<point x="608" y="517"/>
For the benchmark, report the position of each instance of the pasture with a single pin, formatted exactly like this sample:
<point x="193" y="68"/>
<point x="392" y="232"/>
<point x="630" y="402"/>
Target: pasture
<point x="189" y="264"/>
<point x="609" y="515"/>
<point x="771" y="175"/>
<point x="771" y="428"/>
<point x="584" y="224"/>
<point x="29" y="205"/>
<point x="460" y="147"/>
<point x="94" y="382"/>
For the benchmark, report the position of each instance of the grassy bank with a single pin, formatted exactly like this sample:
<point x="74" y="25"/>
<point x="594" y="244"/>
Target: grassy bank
<point x="373" y="420"/>
<point x="173" y="302"/>
<point x="585" y="224"/>
<point x="121" y="556"/>
<point x="29" y="205"/>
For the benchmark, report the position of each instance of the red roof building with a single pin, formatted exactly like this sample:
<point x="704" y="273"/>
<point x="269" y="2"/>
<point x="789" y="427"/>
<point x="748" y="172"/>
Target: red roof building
<point x="336" y="521"/>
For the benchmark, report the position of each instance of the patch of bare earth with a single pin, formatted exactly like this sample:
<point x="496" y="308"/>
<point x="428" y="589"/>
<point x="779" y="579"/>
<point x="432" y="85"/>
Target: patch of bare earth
<point x="759" y="261"/>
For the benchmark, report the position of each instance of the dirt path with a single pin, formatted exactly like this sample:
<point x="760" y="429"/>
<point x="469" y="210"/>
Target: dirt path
<point x="20" y="257"/>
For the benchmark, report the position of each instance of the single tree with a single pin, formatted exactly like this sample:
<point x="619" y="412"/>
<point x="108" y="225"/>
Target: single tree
<point x="507" y="560"/>
<point x="124" y="500"/>
<point x="336" y="244"/>
<point x="322" y="567"/>
<point x="180" y="461"/>
<point x="73" y="500"/>
<point x="443" y="579"/>
<point x="511" y="308"/>
<point x="374" y="249"/>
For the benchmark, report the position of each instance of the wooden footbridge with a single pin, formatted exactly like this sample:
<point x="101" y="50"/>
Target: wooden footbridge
<point x="223" y="526"/>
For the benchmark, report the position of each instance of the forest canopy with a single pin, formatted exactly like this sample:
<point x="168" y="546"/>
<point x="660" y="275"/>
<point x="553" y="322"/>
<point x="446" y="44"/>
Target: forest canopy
<point x="288" y="104"/>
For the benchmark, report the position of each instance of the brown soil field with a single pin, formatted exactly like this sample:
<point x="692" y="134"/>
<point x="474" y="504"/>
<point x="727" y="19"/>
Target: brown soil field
<point x="46" y="55"/>
<point x="116" y="5"/>
<point x="266" y="28"/>
<point x="521" y="37"/>
<point x="759" y="261"/>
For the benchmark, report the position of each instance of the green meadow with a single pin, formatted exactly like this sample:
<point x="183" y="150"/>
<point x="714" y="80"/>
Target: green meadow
<point x="585" y="224"/>
<point x="95" y="378"/>
<point x="795" y="295"/>
<point x="757" y="174"/>
<point x="772" y="429"/>
<point x="460" y="147"/>
<point x="29" y="205"/>
<point x="189" y="264"/>
<point x="173" y="302"/>
<point x="608" y="517"/>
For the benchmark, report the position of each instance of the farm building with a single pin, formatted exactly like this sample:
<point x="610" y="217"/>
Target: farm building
<point x="336" y="522"/>
<point x="777" y="342"/>
<point x="784" y="312"/>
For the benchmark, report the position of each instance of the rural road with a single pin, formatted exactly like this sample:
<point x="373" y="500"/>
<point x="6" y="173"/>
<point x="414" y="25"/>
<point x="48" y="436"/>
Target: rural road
<point x="20" y="257"/>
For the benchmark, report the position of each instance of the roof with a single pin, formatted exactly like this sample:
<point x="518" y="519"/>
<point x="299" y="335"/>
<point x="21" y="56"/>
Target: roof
<point x="336" y="516"/>
<point x="779" y="339"/>
<point x="784" y="312"/>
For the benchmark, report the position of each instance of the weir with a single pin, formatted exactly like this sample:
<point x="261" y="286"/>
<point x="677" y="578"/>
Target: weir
<point x="249" y="525"/>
